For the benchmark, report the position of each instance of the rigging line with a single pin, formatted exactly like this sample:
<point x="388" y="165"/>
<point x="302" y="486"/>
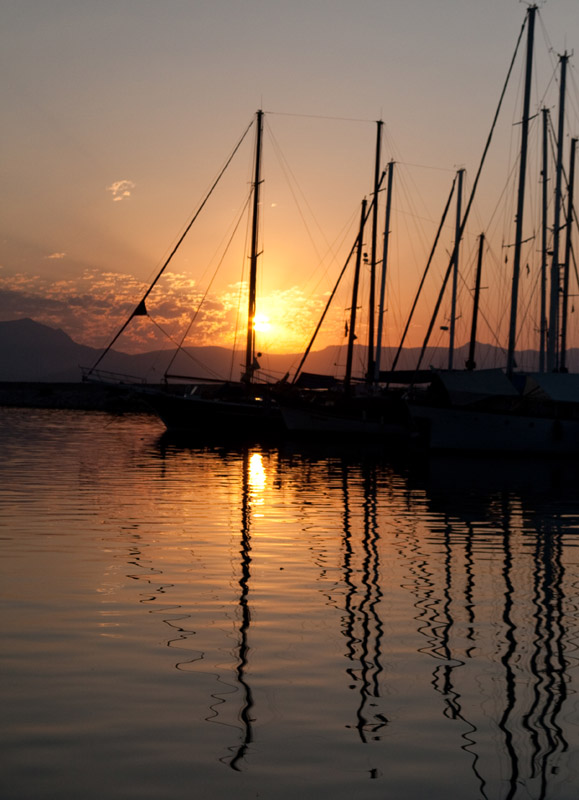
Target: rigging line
<point x="523" y="241"/>
<point x="340" y="276"/>
<point x="288" y="172"/>
<point x="553" y="142"/>
<point x="217" y="268"/>
<point x="429" y="262"/>
<point x="425" y="166"/>
<point x="141" y="304"/>
<point x="501" y="201"/>
<point x="471" y="198"/>
<point x="331" y="249"/>
<point x="407" y="191"/>
<point x="319" y="116"/>
<point x="189" y="355"/>
<point x="331" y="253"/>
<point x="550" y="48"/>
<point x="573" y="96"/>
<point x="481" y="313"/>
<point x="236" y="331"/>
<point x="527" y="310"/>
<point x="545" y="32"/>
<point x="413" y="215"/>
<point x="343" y="234"/>
<point x="574" y="264"/>
<point x="412" y="193"/>
<point x="509" y="192"/>
<point x="240" y="296"/>
<point x="552" y="80"/>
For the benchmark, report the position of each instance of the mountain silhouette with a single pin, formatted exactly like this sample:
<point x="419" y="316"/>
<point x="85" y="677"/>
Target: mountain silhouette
<point x="33" y="352"/>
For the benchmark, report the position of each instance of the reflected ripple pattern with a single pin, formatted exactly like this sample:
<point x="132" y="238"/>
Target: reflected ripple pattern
<point x="255" y="621"/>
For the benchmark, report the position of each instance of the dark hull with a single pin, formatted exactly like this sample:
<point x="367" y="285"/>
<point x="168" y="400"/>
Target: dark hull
<point x="203" y="416"/>
<point x="381" y="418"/>
<point x="478" y="431"/>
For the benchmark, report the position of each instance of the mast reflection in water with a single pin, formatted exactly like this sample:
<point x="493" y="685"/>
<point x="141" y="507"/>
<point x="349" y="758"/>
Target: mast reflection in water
<point x="252" y="480"/>
<point x="253" y="621"/>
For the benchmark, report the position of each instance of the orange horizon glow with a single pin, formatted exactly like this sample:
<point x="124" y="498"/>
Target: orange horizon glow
<point x="96" y="197"/>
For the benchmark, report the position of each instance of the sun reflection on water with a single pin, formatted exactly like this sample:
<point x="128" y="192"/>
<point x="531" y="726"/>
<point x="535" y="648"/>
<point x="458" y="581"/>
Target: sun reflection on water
<point x="395" y="618"/>
<point x="257" y="481"/>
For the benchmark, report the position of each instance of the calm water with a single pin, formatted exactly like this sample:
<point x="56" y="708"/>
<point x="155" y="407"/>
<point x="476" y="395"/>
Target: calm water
<point x="237" y="623"/>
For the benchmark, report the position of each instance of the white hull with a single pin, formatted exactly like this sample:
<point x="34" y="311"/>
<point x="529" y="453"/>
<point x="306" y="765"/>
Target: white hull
<point x="480" y="431"/>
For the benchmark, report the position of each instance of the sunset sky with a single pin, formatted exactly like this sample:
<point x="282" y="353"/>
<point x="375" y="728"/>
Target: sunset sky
<point x="119" y="114"/>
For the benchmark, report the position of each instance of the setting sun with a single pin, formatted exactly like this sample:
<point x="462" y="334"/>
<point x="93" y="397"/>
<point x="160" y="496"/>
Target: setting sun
<point x="261" y="323"/>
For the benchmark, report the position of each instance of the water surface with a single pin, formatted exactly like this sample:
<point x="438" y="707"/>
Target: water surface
<point x="247" y="622"/>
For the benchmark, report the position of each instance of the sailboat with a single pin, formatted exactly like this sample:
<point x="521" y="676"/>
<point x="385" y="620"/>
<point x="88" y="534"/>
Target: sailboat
<point x="228" y="408"/>
<point x="505" y="410"/>
<point x="320" y="406"/>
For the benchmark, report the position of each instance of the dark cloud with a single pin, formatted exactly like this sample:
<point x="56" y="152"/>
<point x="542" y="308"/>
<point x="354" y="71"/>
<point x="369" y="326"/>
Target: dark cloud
<point x="14" y="302"/>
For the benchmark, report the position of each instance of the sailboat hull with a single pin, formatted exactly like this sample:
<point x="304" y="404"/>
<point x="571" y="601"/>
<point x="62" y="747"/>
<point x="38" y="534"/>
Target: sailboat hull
<point x="202" y="416"/>
<point x="313" y="422"/>
<point x="382" y="418"/>
<point x="456" y="429"/>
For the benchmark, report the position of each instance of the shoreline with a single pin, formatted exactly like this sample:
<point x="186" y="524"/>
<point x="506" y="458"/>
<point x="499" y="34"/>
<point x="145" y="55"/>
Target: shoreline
<point x="79" y="396"/>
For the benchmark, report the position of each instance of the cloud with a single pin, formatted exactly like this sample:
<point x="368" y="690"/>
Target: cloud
<point x="92" y="306"/>
<point x="121" y="190"/>
<point x="56" y="256"/>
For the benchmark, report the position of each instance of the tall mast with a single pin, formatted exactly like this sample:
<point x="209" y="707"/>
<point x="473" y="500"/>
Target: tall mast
<point x="471" y="363"/>
<point x="352" y="329"/>
<point x="471" y="198"/>
<point x="544" y="244"/>
<point x="381" y="309"/>
<point x="521" y="193"/>
<point x="564" y="312"/>
<point x="250" y="363"/>
<point x="460" y="175"/>
<point x="373" y="255"/>
<point x="555" y="276"/>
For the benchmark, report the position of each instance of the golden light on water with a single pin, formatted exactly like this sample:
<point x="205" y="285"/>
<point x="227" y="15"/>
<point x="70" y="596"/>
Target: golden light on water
<point x="257" y="480"/>
<point x="334" y="607"/>
<point x="257" y="475"/>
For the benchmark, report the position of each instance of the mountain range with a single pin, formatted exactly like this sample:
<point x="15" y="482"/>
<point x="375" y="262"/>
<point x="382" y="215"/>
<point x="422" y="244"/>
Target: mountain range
<point x="33" y="352"/>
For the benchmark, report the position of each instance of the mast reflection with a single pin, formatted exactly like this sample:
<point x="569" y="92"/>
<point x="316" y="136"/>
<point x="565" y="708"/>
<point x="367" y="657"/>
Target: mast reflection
<point x="530" y="690"/>
<point x="438" y="598"/>
<point x="487" y="581"/>
<point x="362" y="625"/>
<point x="547" y="660"/>
<point x="253" y="480"/>
<point x="251" y="485"/>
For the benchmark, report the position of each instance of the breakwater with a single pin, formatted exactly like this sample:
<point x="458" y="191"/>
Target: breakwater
<point x="82" y="396"/>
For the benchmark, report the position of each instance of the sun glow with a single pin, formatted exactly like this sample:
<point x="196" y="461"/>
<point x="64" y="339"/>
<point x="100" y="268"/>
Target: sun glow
<point x="261" y="323"/>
